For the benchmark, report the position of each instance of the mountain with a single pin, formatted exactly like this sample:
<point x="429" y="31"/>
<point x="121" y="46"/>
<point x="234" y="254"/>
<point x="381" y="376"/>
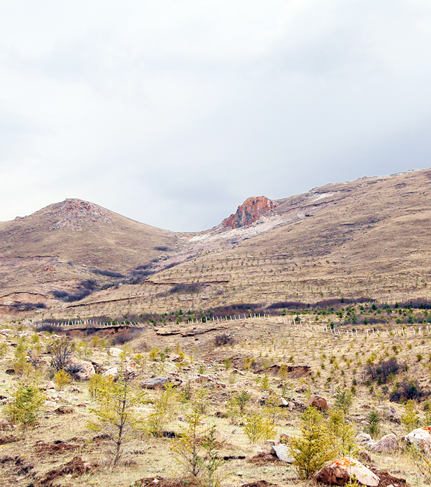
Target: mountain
<point x="62" y="244"/>
<point x="363" y="239"/>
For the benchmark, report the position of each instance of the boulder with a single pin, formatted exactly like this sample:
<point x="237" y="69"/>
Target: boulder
<point x="363" y="438"/>
<point x="115" y="352"/>
<point x="81" y="369"/>
<point x="386" y="444"/>
<point x="393" y="415"/>
<point x="154" y="382"/>
<point x="50" y="385"/>
<point x="420" y="438"/>
<point x="112" y="372"/>
<point x="318" y="402"/>
<point x="340" y="471"/>
<point x="282" y="453"/>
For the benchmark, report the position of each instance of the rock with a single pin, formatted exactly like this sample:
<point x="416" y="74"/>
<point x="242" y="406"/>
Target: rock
<point x="283" y="403"/>
<point x="388" y="480"/>
<point x="6" y="331"/>
<point x="115" y="352"/>
<point x="81" y="369"/>
<point x="386" y="444"/>
<point x="112" y="372"/>
<point x="420" y="438"/>
<point x="283" y="453"/>
<point x="318" y="402"/>
<point x="201" y="379"/>
<point x="63" y="410"/>
<point x="363" y="438"/>
<point x="340" y="471"/>
<point x="250" y="211"/>
<point x="154" y="382"/>
<point x="260" y="483"/>
<point x="393" y="415"/>
<point x="3" y="424"/>
<point x="50" y="385"/>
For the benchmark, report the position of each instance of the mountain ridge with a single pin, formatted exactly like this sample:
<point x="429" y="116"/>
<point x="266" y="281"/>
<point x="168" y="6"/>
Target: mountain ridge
<point x="372" y="225"/>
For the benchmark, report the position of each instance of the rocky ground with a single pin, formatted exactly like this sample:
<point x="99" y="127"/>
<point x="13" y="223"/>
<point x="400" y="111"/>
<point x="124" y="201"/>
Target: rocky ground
<point x="209" y="365"/>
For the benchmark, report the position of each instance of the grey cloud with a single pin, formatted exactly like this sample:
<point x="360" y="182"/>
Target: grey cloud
<point x="172" y="113"/>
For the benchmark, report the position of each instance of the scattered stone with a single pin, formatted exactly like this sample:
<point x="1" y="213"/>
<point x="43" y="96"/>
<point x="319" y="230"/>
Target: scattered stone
<point x="81" y="369"/>
<point x="393" y="415"/>
<point x="154" y="382"/>
<point x="260" y="483"/>
<point x="283" y="403"/>
<point x="340" y="471"/>
<point x="63" y="410"/>
<point x="115" y="352"/>
<point x="112" y="372"/>
<point x="220" y="414"/>
<point x="318" y="402"/>
<point x="386" y="444"/>
<point x="421" y="438"/>
<point x="4" y="424"/>
<point x="388" y="480"/>
<point x="282" y="453"/>
<point x="363" y="438"/>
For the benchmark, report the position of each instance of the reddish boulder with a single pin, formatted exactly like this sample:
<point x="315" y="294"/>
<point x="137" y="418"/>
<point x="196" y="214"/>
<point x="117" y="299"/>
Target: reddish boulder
<point x="340" y="471"/>
<point x="318" y="402"/>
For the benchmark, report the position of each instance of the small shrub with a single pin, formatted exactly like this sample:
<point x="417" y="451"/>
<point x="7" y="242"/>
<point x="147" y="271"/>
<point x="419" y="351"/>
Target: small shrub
<point x="258" y="427"/>
<point x="316" y="445"/>
<point x="224" y="339"/>
<point x="382" y="371"/>
<point x="27" y="403"/>
<point x="62" y="378"/>
<point x="61" y="351"/>
<point x="405" y="391"/>
<point x="373" y="426"/>
<point x="410" y="418"/>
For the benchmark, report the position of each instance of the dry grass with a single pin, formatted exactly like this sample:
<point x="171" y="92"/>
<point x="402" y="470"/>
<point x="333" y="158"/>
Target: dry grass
<point x="268" y="342"/>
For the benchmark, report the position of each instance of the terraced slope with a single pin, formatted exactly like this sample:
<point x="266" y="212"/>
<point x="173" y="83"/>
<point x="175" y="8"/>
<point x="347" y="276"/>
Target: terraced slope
<point x="366" y="238"/>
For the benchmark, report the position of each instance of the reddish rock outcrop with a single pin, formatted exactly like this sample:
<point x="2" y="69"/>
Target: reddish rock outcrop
<point x="250" y="211"/>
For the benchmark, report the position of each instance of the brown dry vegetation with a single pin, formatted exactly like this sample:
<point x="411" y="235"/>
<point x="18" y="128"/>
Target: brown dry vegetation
<point x="367" y="238"/>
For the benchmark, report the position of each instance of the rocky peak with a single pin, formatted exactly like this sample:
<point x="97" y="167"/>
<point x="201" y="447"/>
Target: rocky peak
<point x="71" y="213"/>
<point x="249" y="212"/>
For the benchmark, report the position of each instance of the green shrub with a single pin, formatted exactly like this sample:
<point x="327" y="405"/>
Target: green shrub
<point x="316" y="445"/>
<point x="373" y="426"/>
<point x="26" y="405"/>
<point x="258" y="427"/>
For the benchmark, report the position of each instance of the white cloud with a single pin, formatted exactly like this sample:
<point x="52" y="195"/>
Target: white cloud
<point x="174" y="112"/>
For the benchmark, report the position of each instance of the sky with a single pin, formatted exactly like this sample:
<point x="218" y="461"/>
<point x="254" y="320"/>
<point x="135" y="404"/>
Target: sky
<point x="174" y="112"/>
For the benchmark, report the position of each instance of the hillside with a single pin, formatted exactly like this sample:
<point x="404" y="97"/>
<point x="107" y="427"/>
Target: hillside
<point x="366" y="238"/>
<point x="60" y="245"/>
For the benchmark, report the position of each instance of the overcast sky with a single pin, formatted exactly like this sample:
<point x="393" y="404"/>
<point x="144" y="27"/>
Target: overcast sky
<point x="174" y="112"/>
